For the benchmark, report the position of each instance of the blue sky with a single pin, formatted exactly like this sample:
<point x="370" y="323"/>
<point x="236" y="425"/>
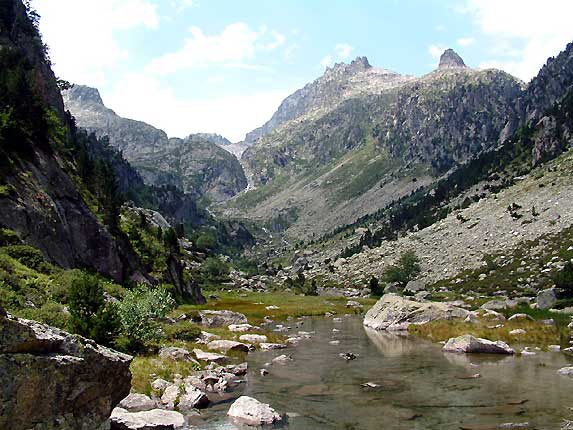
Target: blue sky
<point x="224" y="65"/>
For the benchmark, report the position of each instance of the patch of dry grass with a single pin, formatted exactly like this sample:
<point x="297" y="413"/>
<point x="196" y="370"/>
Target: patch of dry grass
<point x="537" y="333"/>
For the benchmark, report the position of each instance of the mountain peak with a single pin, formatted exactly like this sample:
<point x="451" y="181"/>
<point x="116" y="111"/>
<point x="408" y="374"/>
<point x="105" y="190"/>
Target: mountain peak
<point x="360" y="63"/>
<point x="451" y="60"/>
<point x="84" y="94"/>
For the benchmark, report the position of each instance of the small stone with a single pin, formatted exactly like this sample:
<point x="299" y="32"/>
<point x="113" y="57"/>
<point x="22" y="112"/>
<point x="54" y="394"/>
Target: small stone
<point x="554" y="348"/>
<point x="227" y="345"/>
<point x="210" y="357"/>
<point x="567" y="371"/>
<point x="282" y="359"/>
<point x="253" y="338"/>
<point x="517" y="332"/>
<point x="272" y="346"/>
<point x="264" y="372"/>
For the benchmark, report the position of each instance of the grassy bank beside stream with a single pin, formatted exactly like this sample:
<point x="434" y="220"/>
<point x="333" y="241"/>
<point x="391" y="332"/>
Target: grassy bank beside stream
<point x="254" y="306"/>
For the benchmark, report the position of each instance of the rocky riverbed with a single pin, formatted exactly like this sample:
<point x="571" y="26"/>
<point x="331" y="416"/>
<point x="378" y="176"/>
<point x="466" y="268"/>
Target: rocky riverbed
<point x="342" y="375"/>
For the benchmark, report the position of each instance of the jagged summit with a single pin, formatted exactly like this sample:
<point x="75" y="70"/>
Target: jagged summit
<point x="359" y="64"/>
<point x="451" y="60"/>
<point x="84" y="94"/>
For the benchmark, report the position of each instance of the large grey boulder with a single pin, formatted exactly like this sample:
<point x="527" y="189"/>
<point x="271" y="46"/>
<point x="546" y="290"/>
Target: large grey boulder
<point x="414" y="287"/>
<point x="176" y="354"/>
<point x="227" y="345"/>
<point x="211" y="357"/>
<point x="470" y="344"/>
<point x="221" y="318"/>
<point x="49" y="376"/>
<point x="253" y="412"/>
<point x="136" y="402"/>
<point x="499" y="304"/>
<point x="546" y="299"/>
<point x="156" y="419"/>
<point x="192" y="398"/>
<point x="393" y="312"/>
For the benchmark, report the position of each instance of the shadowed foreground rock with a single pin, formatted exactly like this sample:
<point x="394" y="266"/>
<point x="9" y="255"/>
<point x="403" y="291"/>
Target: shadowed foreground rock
<point x="393" y="312"/>
<point x="50" y="379"/>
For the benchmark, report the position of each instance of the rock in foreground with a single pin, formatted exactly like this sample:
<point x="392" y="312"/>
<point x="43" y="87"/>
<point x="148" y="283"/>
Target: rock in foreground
<point x="253" y="412"/>
<point x="48" y="376"/>
<point x="393" y="312"/>
<point x="470" y="344"/>
<point x="156" y="419"/>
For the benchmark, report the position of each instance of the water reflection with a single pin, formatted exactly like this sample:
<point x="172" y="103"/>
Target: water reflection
<point x="416" y="385"/>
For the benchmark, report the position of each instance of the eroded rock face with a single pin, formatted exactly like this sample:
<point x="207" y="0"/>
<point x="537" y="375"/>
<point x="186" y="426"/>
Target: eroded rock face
<point x="253" y="412"/>
<point x="50" y="379"/>
<point x="451" y="60"/>
<point x="470" y="344"/>
<point x="393" y="312"/>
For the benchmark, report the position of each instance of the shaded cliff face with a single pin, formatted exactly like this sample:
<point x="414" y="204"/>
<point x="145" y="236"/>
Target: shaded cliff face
<point x="196" y="165"/>
<point x="384" y="138"/>
<point x="41" y="195"/>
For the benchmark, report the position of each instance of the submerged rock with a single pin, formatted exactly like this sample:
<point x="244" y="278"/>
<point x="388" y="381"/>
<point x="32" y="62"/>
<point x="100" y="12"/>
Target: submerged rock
<point x="282" y="359"/>
<point x="567" y="371"/>
<point x="49" y="376"/>
<point x="253" y="412"/>
<point x="470" y="344"/>
<point x="393" y="312"/>
<point x="156" y="419"/>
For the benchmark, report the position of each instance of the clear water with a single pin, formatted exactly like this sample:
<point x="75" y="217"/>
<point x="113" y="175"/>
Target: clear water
<point x="420" y="386"/>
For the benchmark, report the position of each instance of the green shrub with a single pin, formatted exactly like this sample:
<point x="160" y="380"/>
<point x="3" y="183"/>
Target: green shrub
<point x="139" y="311"/>
<point x="28" y="256"/>
<point x="90" y="315"/>
<point x="564" y="279"/>
<point x="185" y="331"/>
<point x="8" y="237"/>
<point x="375" y="289"/>
<point x="215" y="269"/>
<point x="407" y="269"/>
<point x="50" y="313"/>
<point x="7" y="190"/>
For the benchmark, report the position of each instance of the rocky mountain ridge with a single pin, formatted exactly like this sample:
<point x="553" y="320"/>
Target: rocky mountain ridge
<point x="384" y="137"/>
<point x="338" y="83"/>
<point x="196" y="164"/>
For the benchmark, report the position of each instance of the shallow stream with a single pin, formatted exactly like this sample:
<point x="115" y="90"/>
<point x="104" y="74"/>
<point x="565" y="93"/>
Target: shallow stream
<point x="420" y="387"/>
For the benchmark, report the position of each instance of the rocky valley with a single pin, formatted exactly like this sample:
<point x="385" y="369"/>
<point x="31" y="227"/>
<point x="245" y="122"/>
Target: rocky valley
<point x="386" y="248"/>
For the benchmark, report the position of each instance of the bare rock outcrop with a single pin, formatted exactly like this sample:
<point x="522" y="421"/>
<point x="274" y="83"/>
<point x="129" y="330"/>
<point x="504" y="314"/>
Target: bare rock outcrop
<point x="393" y="312"/>
<point x="50" y="379"/>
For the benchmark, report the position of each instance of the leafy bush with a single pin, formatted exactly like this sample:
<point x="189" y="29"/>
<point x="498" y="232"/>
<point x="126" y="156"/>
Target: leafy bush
<point x="407" y="269"/>
<point x="138" y="312"/>
<point x="214" y="269"/>
<point x="564" y="279"/>
<point x="8" y="237"/>
<point x="28" y="256"/>
<point x="184" y="330"/>
<point x="50" y="313"/>
<point x="375" y="289"/>
<point x="90" y="316"/>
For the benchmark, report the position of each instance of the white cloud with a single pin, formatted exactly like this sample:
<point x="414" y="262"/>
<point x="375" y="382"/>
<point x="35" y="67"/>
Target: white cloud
<point x="181" y="5"/>
<point x="341" y="52"/>
<point x="236" y="45"/>
<point x="436" y="50"/>
<point x="524" y="33"/>
<point x="466" y="41"/>
<point x="161" y="106"/>
<point x="82" y="34"/>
